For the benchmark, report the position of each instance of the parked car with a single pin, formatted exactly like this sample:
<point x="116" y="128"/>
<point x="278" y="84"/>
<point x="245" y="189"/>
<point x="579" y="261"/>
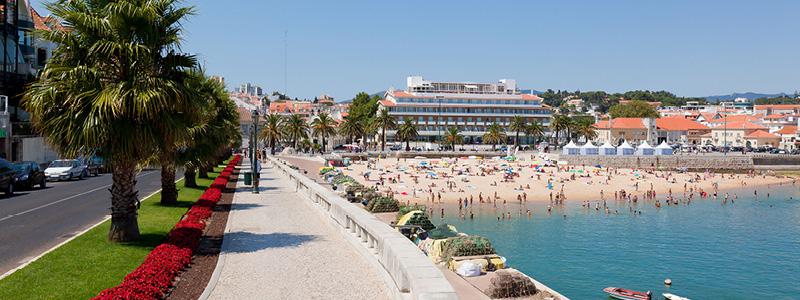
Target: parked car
<point x="29" y="174"/>
<point x="66" y="169"/>
<point x="7" y="177"/>
<point x="396" y="147"/>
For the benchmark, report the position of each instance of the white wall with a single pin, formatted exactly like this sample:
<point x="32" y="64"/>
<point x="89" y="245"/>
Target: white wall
<point x="38" y="150"/>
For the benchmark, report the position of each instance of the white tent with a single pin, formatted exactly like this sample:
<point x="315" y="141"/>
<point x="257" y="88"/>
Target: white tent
<point x="589" y="149"/>
<point x="625" y="149"/>
<point x="607" y="149"/>
<point x="571" y="149"/>
<point x="645" y="149"/>
<point x="663" y="149"/>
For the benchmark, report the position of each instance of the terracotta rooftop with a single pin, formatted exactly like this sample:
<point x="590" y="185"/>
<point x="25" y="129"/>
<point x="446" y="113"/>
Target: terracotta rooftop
<point x="788" y="129"/>
<point x="385" y="102"/>
<point x="740" y="125"/>
<point x="761" y="134"/>
<point x="678" y="124"/>
<point x="621" y="123"/>
<point x="777" y="106"/>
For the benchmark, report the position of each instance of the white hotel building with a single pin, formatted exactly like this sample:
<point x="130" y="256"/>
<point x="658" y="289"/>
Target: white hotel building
<point x="437" y="106"/>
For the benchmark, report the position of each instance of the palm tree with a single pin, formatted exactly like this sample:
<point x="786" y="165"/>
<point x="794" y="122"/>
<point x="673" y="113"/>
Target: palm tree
<point x="272" y="131"/>
<point x="453" y="137"/>
<point x="494" y="135"/>
<point x="295" y="129"/>
<point x="587" y="131"/>
<point x="351" y="128"/>
<point x="536" y="130"/>
<point x="407" y="132"/>
<point x="559" y="123"/>
<point x="385" y="121"/>
<point x="323" y="126"/>
<point x="370" y="130"/>
<point x="112" y="85"/>
<point x="213" y="136"/>
<point x="518" y="124"/>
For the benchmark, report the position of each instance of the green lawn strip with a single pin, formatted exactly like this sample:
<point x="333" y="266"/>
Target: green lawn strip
<point x="90" y="263"/>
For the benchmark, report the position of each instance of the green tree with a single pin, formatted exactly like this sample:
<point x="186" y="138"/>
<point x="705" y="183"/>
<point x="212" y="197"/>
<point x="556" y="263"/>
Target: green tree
<point x="385" y="121"/>
<point x="323" y="126"/>
<point x="494" y="135"/>
<point x="407" y="132"/>
<point x="453" y="137"/>
<point x="295" y="128"/>
<point x="518" y="124"/>
<point x="369" y="131"/>
<point x="633" y="109"/>
<point x="105" y="88"/>
<point x="272" y="131"/>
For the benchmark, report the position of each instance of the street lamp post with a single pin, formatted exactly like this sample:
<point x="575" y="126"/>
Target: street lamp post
<point x="254" y="151"/>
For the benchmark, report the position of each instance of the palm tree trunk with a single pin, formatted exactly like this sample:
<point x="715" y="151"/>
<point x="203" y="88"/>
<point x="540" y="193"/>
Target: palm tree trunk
<point x="322" y="151"/>
<point x="189" y="176"/>
<point x="169" y="193"/>
<point x="124" y="202"/>
<point x="516" y="139"/>
<point x="408" y="146"/>
<point x="202" y="172"/>
<point x="383" y="138"/>
<point x="272" y="146"/>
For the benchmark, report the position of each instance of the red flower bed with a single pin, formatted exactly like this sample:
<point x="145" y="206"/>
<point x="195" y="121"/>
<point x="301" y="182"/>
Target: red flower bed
<point x="155" y="275"/>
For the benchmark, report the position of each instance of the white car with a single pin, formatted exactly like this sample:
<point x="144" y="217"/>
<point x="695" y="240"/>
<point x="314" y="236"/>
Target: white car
<point x="65" y="169"/>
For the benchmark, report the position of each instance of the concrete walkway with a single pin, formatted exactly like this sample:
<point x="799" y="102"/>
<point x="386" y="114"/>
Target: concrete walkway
<point x="277" y="247"/>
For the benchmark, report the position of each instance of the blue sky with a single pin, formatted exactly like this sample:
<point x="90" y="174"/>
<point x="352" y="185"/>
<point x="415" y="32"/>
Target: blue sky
<point x="692" y="48"/>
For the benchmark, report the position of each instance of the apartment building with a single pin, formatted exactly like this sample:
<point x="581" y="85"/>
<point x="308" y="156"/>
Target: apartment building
<point x="471" y="107"/>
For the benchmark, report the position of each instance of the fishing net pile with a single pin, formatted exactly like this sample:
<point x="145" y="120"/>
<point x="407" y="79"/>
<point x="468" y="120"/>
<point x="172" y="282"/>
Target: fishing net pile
<point x="417" y="218"/>
<point x="510" y="284"/>
<point x="466" y="246"/>
<point x="383" y="204"/>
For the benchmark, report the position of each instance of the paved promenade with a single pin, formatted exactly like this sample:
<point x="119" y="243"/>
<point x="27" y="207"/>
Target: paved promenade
<point x="277" y="247"/>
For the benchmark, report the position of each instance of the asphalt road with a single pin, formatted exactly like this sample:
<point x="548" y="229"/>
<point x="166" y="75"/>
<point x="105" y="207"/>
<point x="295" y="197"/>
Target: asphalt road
<point x="32" y="222"/>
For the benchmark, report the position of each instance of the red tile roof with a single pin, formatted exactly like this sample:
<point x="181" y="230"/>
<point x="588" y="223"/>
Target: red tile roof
<point x="531" y="97"/>
<point x="385" y="102"/>
<point x="621" y="123"/>
<point x="678" y="124"/>
<point x="740" y="125"/>
<point x="775" y="116"/>
<point x="788" y="129"/>
<point x="777" y="106"/>
<point x="761" y="134"/>
<point x="737" y="118"/>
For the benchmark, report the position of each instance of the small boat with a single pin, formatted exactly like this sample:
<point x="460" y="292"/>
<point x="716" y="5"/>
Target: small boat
<point x="623" y="294"/>
<point x="673" y="297"/>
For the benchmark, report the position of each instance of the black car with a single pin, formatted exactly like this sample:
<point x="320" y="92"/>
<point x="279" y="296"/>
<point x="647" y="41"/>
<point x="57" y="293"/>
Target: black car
<point x="29" y="174"/>
<point x="7" y="177"/>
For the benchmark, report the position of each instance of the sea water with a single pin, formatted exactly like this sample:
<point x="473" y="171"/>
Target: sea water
<point x="748" y="249"/>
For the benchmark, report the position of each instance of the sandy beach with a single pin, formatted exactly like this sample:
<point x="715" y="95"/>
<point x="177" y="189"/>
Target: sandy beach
<point x="528" y="180"/>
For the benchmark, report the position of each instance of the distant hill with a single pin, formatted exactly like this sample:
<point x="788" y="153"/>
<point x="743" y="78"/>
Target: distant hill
<point x="748" y="95"/>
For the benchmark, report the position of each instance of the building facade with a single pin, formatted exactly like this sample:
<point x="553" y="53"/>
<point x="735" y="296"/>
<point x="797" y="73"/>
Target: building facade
<point x="471" y="107"/>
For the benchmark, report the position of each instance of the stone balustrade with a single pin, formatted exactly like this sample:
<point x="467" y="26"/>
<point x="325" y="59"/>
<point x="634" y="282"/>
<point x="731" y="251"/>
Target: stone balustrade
<point x="411" y="274"/>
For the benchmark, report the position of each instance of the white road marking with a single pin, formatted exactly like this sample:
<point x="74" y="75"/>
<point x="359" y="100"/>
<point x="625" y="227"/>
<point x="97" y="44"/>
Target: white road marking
<point x="65" y="199"/>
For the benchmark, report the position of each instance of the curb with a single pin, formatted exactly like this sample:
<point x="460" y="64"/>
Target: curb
<point x="105" y="218"/>
<point x="212" y="282"/>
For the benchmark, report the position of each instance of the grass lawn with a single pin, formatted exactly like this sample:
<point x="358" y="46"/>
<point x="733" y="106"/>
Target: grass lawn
<point x="90" y="263"/>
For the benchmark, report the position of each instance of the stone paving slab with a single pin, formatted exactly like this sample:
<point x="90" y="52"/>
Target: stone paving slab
<point x="277" y="247"/>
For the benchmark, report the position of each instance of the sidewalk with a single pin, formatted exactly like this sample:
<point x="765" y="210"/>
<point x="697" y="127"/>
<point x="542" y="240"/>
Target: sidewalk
<point x="277" y="247"/>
